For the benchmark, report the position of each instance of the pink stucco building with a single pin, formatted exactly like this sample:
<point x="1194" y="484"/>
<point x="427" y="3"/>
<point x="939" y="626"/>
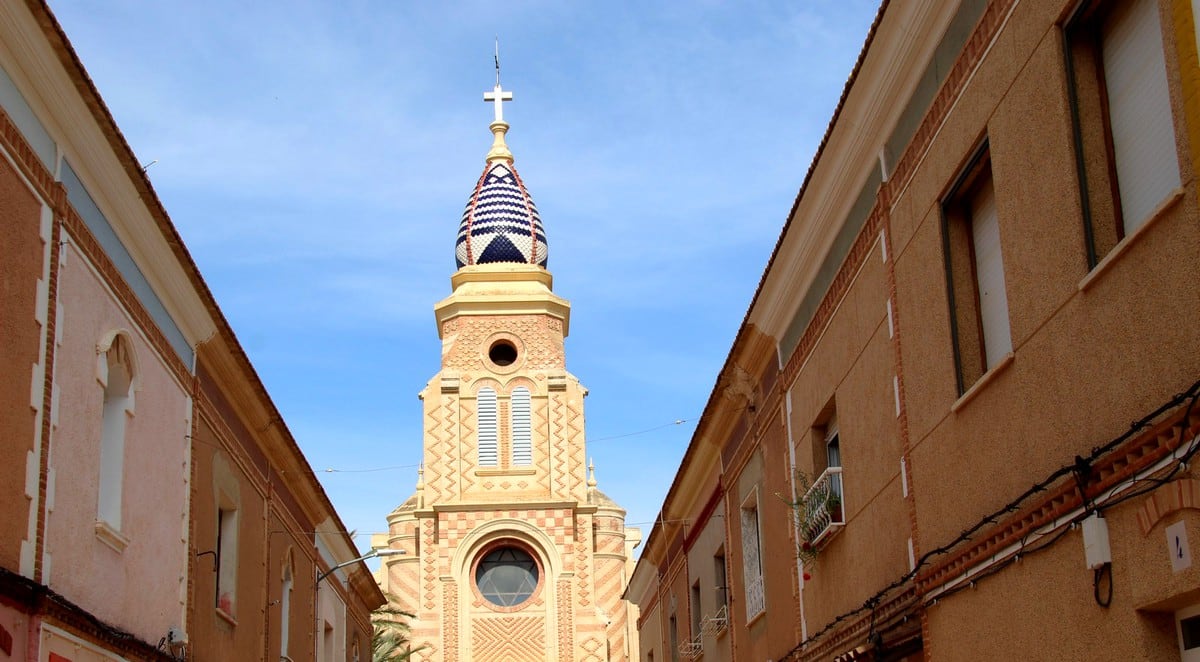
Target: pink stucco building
<point x="139" y="486"/>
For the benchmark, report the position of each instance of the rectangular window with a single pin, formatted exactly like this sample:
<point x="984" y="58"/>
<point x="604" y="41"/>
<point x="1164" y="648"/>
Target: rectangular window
<point x="1126" y="159"/>
<point x="752" y="557"/>
<point x="1187" y="628"/>
<point x="227" y="535"/>
<point x="722" y="588"/>
<point x="696" y="609"/>
<point x="975" y="273"/>
<point x="673" y="629"/>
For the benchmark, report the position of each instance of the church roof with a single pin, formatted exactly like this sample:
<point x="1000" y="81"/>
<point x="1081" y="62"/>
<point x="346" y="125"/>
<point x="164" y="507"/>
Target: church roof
<point x="500" y="223"/>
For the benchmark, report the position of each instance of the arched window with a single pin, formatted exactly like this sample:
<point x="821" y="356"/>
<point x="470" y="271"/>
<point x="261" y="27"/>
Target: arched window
<point x="522" y="442"/>
<point x="489" y="455"/>
<point x="116" y="374"/>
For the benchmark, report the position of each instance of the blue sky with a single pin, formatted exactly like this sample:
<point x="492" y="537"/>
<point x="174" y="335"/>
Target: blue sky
<point x="316" y="157"/>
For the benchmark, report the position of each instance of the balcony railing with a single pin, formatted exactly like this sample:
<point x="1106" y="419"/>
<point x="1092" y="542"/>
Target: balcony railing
<point x="756" y="601"/>
<point x="822" y="507"/>
<point x="690" y="650"/>
<point x="714" y="625"/>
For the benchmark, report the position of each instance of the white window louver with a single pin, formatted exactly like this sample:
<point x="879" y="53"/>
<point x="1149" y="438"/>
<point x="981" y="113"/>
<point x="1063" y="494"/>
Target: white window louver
<point x="522" y="437"/>
<point x="1139" y="111"/>
<point x="488" y="438"/>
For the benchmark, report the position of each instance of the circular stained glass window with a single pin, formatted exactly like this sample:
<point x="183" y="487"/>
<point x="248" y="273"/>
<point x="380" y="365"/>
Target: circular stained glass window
<point x="506" y="576"/>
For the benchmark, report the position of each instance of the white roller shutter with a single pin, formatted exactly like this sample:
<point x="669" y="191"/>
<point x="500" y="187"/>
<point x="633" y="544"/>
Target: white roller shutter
<point x="989" y="274"/>
<point x="1139" y="110"/>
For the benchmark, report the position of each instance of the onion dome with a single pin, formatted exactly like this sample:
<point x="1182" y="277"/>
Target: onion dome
<point x="500" y="223"/>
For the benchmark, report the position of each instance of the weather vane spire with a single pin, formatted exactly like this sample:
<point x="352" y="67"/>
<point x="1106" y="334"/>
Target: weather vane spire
<point x="499" y="127"/>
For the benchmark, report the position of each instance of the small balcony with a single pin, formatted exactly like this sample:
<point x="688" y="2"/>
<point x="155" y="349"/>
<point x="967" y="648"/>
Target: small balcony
<point x="821" y="508"/>
<point x="714" y="625"/>
<point x="690" y="650"/>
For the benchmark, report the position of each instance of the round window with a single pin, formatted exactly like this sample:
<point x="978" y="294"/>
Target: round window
<point x="502" y="353"/>
<point x="507" y="576"/>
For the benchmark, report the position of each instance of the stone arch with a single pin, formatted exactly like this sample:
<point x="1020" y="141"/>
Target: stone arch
<point x="1171" y="498"/>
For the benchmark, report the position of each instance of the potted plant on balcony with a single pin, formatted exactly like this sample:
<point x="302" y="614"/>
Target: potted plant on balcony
<point x="814" y="509"/>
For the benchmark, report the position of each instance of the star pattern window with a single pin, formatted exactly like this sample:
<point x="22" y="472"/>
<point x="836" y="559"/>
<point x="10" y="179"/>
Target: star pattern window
<point x="507" y="576"/>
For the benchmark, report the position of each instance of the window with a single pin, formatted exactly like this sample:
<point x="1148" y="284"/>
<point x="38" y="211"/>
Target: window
<point x="673" y="630"/>
<point x="522" y="441"/>
<point x="489" y="451"/>
<point x="975" y="273"/>
<point x="696" y="607"/>
<point x="752" y="557"/>
<point x="1126" y="158"/>
<point x="116" y="375"/>
<point x="507" y="576"/>
<point x="722" y="588"/>
<point x="1187" y="629"/>
<point x="227" y="535"/>
<point x="285" y="607"/>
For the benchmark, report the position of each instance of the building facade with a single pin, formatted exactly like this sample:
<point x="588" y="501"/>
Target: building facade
<point x="153" y="505"/>
<point x="512" y="553"/>
<point x="957" y="420"/>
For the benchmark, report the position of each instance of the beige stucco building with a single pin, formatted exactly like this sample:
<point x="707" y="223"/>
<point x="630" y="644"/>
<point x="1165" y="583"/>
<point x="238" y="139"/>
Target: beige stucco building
<point x="512" y="553"/>
<point x="970" y="365"/>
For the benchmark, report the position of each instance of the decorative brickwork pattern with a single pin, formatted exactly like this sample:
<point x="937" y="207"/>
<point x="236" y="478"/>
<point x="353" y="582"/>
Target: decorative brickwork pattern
<point x="450" y="620"/>
<point x="593" y="650"/>
<point x="508" y="638"/>
<point x="583" y="557"/>
<point x="541" y="336"/>
<point x="566" y="622"/>
<point x="454" y="526"/>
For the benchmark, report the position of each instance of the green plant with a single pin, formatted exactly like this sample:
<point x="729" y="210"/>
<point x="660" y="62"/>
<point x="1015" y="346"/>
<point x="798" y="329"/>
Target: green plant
<point x="813" y="509"/>
<point x="390" y="632"/>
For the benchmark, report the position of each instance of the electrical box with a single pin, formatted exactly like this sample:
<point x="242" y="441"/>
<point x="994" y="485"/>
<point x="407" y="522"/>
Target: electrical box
<point x="1095" y="542"/>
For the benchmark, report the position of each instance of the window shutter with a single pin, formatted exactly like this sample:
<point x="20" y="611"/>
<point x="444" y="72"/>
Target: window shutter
<point x="522" y="448"/>
<point x="1139" y="110"/>
<point x="488" y="441"/>
<point x="989" y="274"/>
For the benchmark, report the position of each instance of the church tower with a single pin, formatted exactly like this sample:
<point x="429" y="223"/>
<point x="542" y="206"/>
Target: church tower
<point x="511" y="554"/>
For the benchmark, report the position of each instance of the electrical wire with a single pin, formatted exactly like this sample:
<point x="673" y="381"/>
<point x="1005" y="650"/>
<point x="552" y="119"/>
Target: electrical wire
<point x="1191" y="396"/>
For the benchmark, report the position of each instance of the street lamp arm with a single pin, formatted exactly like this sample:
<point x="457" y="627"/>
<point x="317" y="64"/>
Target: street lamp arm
<point x="369" y="555"/>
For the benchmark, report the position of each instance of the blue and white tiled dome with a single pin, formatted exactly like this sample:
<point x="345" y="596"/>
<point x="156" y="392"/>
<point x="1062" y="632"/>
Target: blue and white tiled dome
<point x="500" y="223"/>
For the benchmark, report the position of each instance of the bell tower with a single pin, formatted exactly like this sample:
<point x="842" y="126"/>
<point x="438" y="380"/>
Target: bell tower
<point x="511" y="553"/>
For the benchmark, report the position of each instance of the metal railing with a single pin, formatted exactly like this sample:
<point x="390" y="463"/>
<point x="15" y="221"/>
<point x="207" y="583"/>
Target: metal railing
<point x="756" y="600"/>
<point x="690" y="650"/>
<point x="822" y="507"/>
<point x="714" y="625"/>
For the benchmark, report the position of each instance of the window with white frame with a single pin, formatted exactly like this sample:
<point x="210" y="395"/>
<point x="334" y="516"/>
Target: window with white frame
<point x="522" y="427"/>
<point x="116" y="375"/>
<point x="1126" y="156"/>
<point x="487" y="417"/>
<point x="752" y="557"/>
<point x="1187" y="630"/>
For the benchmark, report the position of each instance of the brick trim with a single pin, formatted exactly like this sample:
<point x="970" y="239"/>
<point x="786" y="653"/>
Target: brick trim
<point x="1122" y="463"/>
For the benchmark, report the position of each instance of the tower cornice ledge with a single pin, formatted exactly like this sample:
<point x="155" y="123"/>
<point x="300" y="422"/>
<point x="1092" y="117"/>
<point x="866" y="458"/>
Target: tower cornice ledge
<point x="502" y="289"/>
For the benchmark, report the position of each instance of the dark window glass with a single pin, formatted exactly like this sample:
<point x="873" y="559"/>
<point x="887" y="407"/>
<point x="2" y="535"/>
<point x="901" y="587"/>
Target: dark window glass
<point x="1190" y="627"/>
<point x="507" y="576"/>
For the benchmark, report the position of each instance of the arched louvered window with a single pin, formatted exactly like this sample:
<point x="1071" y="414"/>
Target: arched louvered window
<point x="489" y="455"/>
<point x="522" y="442"/>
